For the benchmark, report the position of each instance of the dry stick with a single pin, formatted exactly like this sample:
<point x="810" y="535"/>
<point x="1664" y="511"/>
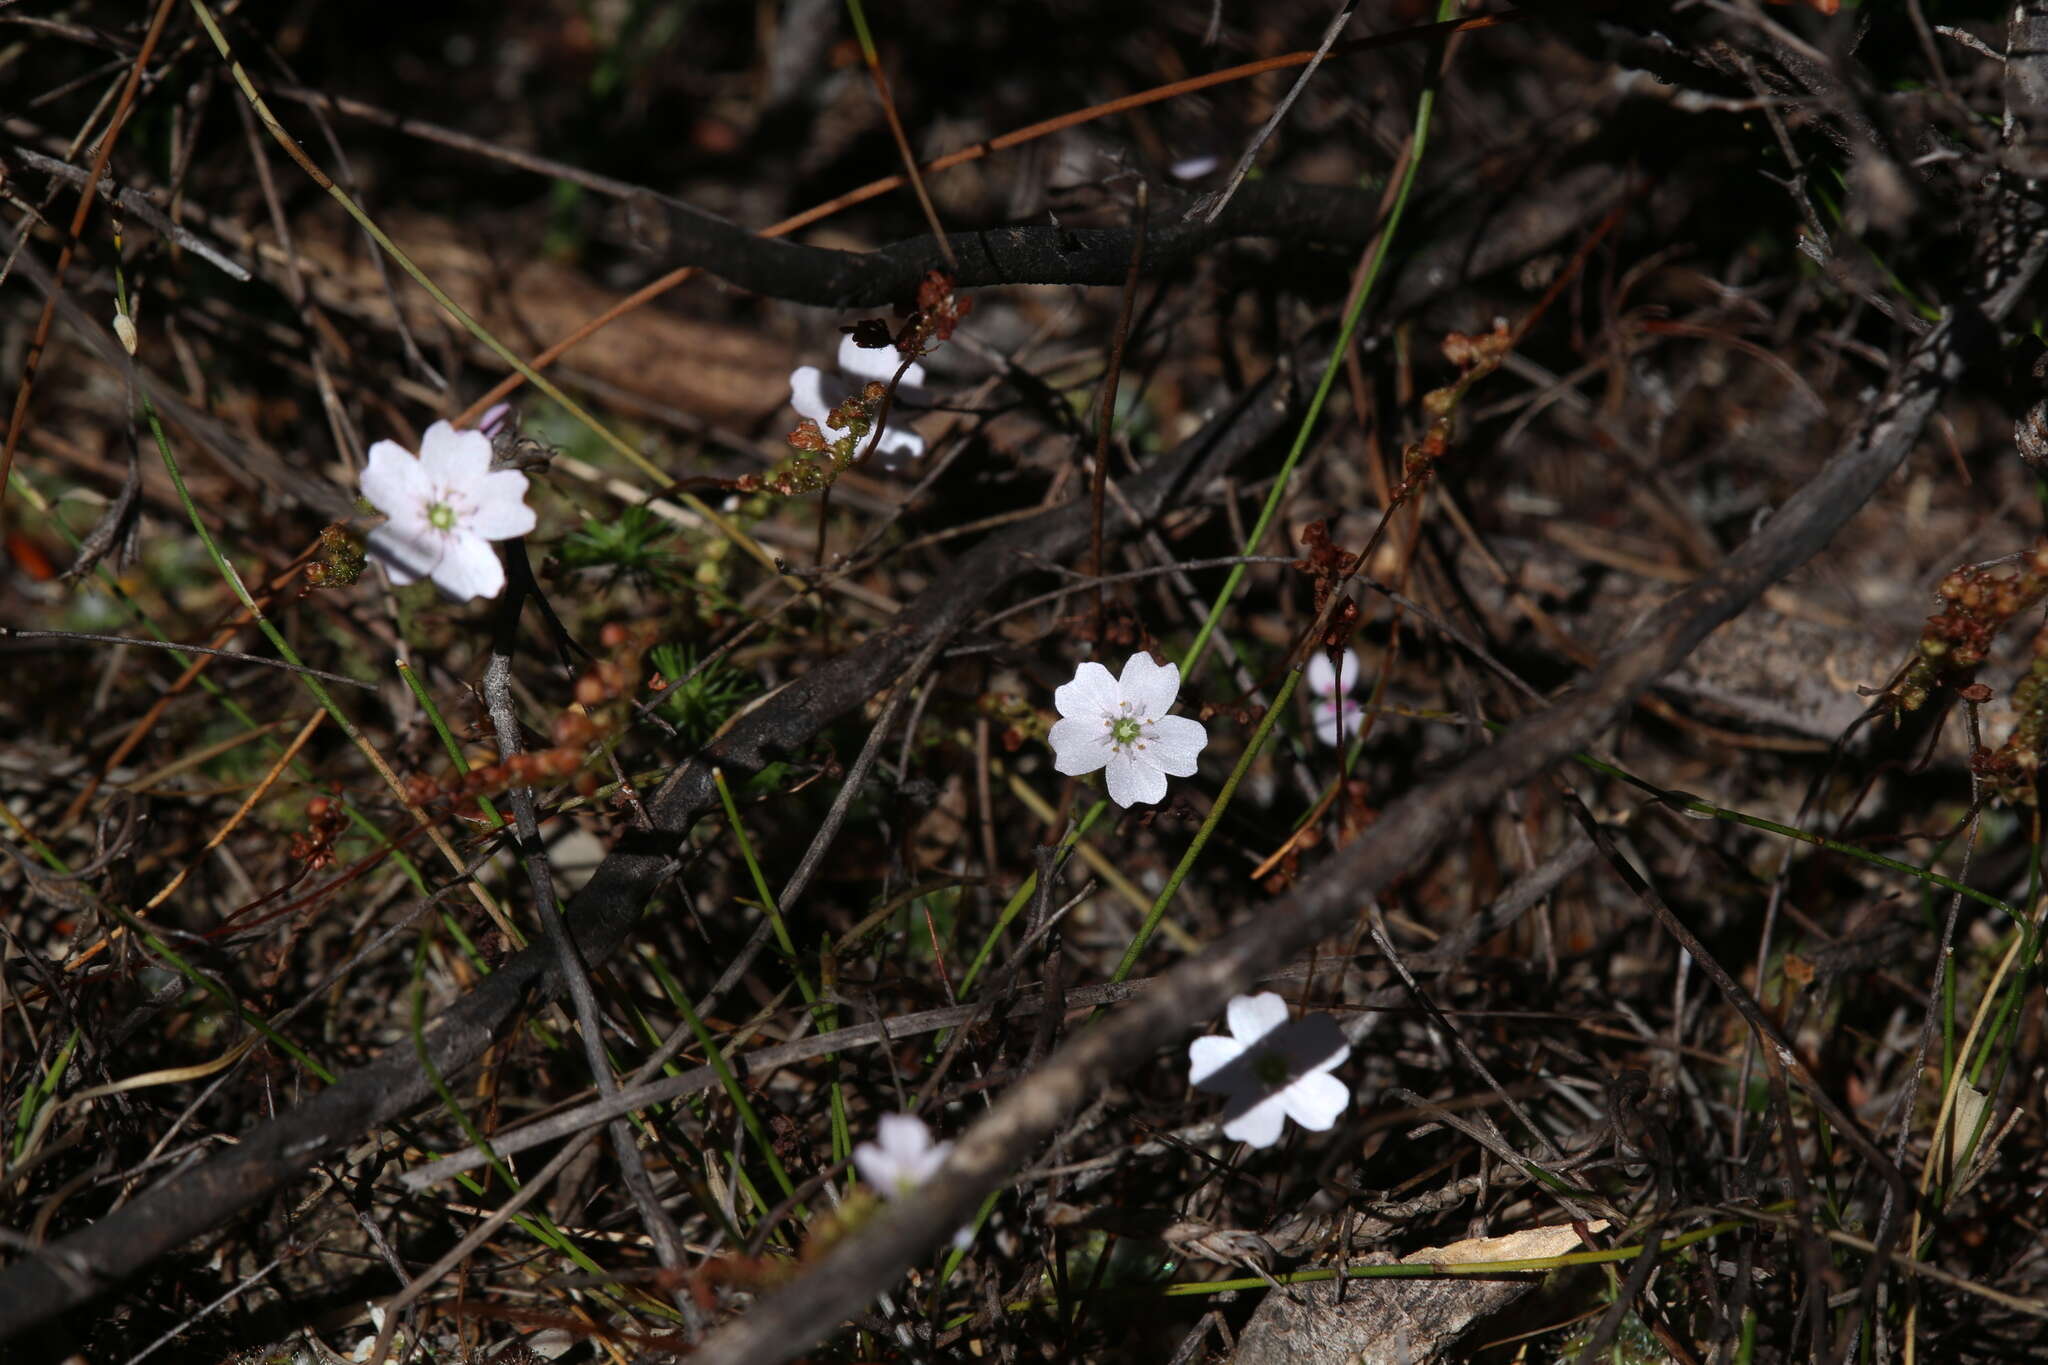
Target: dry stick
<point x="136" y="202"/>
<point x="268" y="1156"/>
<point x="668" y="1240"/>
<point x="94" y="637"/>
<point x="787" y="1321"/>
<point x="19" y="417"/>
<point x="874" y="188"/>
<point x="1376" y="923"/>
<point x="1105" y="418"/>
<point x="874" y="61"/>
<point x="814" y="855"/>
<point x="760" y="1063"/>
<point x="1777" y="1047"/>
<point x="1243" y="168"/>
<point x="462" y="1250"/>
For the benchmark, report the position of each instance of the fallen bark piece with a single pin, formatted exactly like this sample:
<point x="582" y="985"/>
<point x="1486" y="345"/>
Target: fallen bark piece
<point x="1385" y="1322"/>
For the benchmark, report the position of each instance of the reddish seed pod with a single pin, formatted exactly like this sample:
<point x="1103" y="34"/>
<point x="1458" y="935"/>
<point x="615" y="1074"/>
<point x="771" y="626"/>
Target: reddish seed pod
<point x="589" y="691"/>
<point x="614" y="635"/>
<point x="572" y="727"/>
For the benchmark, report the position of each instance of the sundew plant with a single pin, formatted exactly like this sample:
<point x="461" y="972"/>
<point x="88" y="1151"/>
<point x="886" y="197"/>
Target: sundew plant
<point x="1023" y="682"/>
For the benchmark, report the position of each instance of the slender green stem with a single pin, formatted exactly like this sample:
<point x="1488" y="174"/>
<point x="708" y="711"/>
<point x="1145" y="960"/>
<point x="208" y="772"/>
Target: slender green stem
<point x="767" y="897"/>
<point x="39" y="1092"/>
<point x="736" y="1093"/>
<point x="1425" y="107"/>
<point x="822" y="1013"/>
<point x="1201" y="839"/>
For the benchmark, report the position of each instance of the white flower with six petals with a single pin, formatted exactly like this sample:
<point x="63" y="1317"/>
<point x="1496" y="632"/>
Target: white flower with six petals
<point x="1336" y="711"/>
<point x="1121" y="724"/>
<point x="814" y="393"/>
<point x="446" y="506"/>
<point x="1272" y="1070"/>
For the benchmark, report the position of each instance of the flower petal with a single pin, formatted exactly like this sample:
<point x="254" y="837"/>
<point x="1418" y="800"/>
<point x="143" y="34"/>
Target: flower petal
<point x="898" y="447"/>
<point x="1150" y="688"/>
<point x="1078" y="746"/>
<point x="1207" y="1056"/>
<point x="469" y="569"/>
<point x="455" y="458"/>
<point x="903" y="1136"/>
<point x="867" y="362"/>
<point x="813" y="394"/>
<point x="932" y="1160"/>
<point x="877" y="1168"/>
<point x="1134" y="782"/>
<point x="406" y="555"/>
<point x="1315" y="1102"/>
<point x="1320" y="676"/>
<point x="1174" y="743"/>
<point x="501" y="510"/>
<point x="392" y="480"/>
<point x="876" y="362"/>
<point x="1092" y="694"/>
<point x="1324" y="679"/>
<point x="1327" y="725"/>
<point x="1311" y="1043"/>
<point x="1252" y="1017"/>
<point x="1259" y="1125"/>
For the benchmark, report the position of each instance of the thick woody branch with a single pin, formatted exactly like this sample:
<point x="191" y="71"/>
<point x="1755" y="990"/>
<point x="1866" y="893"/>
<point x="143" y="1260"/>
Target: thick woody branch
<point x="1531" y="219"/>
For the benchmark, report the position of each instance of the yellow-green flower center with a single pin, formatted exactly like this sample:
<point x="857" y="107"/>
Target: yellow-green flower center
<point x="1124" y="731"/>
<point x="441" y="516"/>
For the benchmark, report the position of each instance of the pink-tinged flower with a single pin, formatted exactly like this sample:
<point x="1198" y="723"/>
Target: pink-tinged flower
<point x="1336" y="711"/>
<point x="445" y="507"/>
<point x="814" y="393"/>
<point x="1271" y="1070"/>
<point x="1120" y="724"/>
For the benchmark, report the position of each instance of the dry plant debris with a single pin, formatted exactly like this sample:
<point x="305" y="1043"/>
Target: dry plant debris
<point x="666" y="871"/>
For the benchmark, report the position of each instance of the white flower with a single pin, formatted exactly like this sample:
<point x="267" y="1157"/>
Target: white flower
<point x="445" y="506"/>
<point x="902" y="1157"/>
<point x="1336" y="712"/>
<point x="1121" y="724"/>
<point x="1272" y="1070"/>
<point x="814" y="394"/>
